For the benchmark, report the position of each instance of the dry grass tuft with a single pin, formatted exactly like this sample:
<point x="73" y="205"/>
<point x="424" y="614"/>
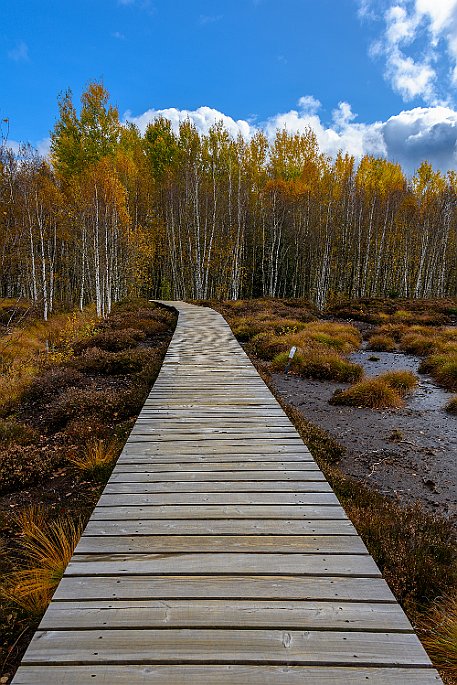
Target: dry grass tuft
<point x="439" y="635"/>
<point x="47" y="549"/>
<point x="371" y="393"/>
<point x="98" y="458"/>
<point x="382" y="343"/>
<point x="451" y="406"/>
<point x="402" y="381"/>
<point x="380" y="392"/>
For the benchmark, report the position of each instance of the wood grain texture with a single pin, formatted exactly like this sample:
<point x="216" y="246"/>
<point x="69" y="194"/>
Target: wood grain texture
<point x="225" y="646"/>
<point x="233" y="674"/>
<point x="303" y="615"/>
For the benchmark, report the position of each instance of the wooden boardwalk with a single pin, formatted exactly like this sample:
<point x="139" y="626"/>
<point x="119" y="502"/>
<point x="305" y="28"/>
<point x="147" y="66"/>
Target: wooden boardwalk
<point x="218" y="554"/>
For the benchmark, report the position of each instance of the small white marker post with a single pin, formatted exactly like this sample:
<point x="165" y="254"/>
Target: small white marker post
<point x="291" y="356"/>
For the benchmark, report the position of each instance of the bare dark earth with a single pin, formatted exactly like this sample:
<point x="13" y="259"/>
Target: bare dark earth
<point x="408" y="453"/>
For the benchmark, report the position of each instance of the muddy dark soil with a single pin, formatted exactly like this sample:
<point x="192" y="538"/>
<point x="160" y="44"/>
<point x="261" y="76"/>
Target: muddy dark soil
<point x="408" y="453"/>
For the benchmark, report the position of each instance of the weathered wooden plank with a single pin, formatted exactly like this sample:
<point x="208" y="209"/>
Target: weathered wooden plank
<point x="202" y="466"/>
<point x="225" y="646"/>
<point x="215" y="447"/>
<point x="126" y="485"/>
<point x="233" y="674"/>
<point x="358" y="565"/>
<point x="294" y="477"/>
<point x="220" y="527"/>
<point x="109" y="509"/>
<point x="200" y="613"/>
<point x="301" y="587"/>
<point x="137" y="498"/>
<point x="155" y="544"/>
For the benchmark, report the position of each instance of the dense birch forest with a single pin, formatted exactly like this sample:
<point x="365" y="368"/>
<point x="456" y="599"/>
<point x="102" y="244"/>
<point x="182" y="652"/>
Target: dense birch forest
<point x="184" y="215"/>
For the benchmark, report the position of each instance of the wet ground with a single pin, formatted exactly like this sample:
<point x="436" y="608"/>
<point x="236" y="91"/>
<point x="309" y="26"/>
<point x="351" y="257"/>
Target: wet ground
<point x="410" y="453"/>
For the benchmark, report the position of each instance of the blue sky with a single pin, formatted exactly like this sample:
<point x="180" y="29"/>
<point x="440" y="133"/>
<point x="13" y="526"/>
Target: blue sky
<point x="371" y="76"/>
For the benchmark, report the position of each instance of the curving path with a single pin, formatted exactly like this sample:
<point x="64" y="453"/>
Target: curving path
<point x="218" y="554"/>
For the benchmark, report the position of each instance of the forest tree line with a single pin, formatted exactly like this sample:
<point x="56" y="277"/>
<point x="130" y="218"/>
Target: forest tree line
<point x="185" y="215"/>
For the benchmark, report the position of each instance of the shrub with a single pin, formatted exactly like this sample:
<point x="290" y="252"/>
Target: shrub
<point x="26" y="466"/>
<point x="51" y="382"/>
<point x="12" y="432"/>
<point x="267" y="345"/>
<point x="105" y="363"/>
<point x="451" y="406"/>
<point x="373" y="393"/>
<point x="382" y="343"/>
<point x="112" y="341"/>
<point x="103" y="405"/>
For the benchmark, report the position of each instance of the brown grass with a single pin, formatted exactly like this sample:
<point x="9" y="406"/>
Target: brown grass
<point x="46" y="549"/>
<point x="98" y="458"/>
<point x="321" y="364"/>
<point x="451" y="406"/>
<point x="439" y="635"/>
<point x="402" y="381"/>
<point x="371" y="393"/>
<point x="382" y="343"/>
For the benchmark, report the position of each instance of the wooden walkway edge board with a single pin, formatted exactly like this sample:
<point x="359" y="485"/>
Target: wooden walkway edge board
<point x="218" y="553"/>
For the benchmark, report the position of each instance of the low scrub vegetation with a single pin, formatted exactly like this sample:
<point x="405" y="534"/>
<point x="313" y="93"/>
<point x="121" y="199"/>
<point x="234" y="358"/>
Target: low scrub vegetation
<point x="270" y="332"/>
<point x="61" y="430"/>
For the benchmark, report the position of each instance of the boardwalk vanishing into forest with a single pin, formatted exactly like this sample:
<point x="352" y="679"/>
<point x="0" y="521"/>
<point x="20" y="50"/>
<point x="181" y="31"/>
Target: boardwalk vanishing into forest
<point x="218" y="553"/>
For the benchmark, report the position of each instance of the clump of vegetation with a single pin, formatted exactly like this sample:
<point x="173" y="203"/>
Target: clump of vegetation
<point x="380" y="392"/>
<point x="124" y="362"/>
<point x="13" y="432"/>
<point x="382" y="343"/>
<point x="372" y="393"/>
<point x="24" y="466"/>
<point x="320" y="364"/>
<point x="46" y="550"/>
<point x="443" y="368"/>
<point x="451" y="406"/>
<point x="396" y="435"/>
<point x="439" y="635"/>
<point x="97" y="459"/>
<point x="403" y="381"/>
<point x="112" y="341"/>
<point x="322" y="349"/>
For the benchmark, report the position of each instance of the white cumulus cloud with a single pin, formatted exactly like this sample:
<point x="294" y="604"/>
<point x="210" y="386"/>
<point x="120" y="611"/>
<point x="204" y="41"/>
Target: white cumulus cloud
<point x="419" y="45"/>
<point x="203" y="118"/>
<point x="410" y="137"/>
